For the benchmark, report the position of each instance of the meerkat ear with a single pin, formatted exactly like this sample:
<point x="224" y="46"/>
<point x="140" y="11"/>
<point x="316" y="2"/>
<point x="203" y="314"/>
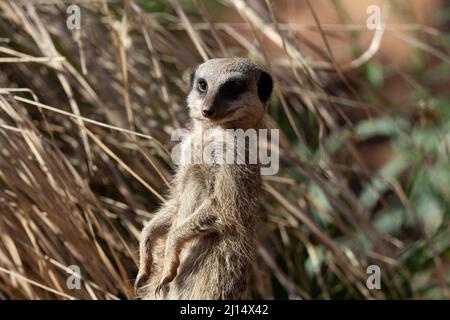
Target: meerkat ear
<point x="265" y="86"/>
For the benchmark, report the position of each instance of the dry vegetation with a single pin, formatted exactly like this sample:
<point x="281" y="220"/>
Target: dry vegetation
<point x="85" y="123"/>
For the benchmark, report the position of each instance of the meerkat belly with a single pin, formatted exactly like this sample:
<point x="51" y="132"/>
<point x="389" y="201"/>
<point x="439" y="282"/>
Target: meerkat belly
<point x="213" y="268"/>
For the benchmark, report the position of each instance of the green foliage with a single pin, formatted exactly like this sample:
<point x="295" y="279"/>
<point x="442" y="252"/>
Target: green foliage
<point x="373" y="72"/>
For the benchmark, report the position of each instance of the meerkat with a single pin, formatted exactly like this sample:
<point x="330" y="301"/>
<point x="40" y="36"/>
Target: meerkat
<point x="200" y="244"/>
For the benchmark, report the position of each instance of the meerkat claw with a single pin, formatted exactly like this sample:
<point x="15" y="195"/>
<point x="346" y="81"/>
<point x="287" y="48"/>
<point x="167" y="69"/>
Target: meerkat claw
<point x="139" y="282"/>
<point x="160" y="286"/>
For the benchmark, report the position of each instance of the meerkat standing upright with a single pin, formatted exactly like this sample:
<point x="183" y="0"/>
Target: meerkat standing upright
<point x="200" y="244"/>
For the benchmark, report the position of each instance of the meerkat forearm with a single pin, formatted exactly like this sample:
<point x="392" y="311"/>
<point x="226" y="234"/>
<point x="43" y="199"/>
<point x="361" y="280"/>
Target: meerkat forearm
<point x="155" y="229"/>
<point x="200" y="223"/>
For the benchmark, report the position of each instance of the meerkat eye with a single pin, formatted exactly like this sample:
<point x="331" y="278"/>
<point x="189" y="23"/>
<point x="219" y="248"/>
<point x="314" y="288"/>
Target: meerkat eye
<point x="202" y="86"/>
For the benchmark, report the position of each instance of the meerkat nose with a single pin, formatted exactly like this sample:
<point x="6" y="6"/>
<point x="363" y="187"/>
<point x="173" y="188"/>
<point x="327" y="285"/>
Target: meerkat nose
<point x="208" y="113"/>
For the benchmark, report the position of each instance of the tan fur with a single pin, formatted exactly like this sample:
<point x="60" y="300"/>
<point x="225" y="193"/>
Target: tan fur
<point x="200" y="244"/>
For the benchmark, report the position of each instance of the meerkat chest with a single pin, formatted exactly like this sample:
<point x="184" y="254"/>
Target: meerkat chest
<point x="203" y="147"/>
<point x="197" y="184"/>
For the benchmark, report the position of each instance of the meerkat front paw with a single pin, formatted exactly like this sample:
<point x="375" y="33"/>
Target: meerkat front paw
<point x="162" y="284"/>
<point x="169" y="273"/>
<point x="145" y="264"/>
<point x="155" y="229"/>
<point x="171" y="263"/>
<point x="143" y="275"/>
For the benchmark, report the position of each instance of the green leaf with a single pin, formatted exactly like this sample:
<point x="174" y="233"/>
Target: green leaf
<point x="380" y="127"/>
<point x="379" y="185"/>
<point x="373" y="72"/>
<point x="390" y="221"/>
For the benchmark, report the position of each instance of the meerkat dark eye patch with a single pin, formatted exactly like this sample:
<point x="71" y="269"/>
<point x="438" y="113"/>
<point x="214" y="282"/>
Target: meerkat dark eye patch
<point x="202" y="86"/>
<point x="265" y="86"/>
<point x="234" y="87"/>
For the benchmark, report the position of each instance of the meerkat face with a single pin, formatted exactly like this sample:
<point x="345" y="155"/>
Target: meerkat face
<point x="232" y="92"/>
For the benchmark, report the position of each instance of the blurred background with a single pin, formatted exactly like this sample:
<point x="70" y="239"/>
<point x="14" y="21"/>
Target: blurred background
<point x="87" y="108"/>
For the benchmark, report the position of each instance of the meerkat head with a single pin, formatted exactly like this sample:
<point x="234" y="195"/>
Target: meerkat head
<point x="231" y="92"/>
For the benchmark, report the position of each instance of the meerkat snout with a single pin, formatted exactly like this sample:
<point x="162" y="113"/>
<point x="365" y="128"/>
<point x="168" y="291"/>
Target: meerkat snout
<point x="232" y="92"/>
<point x="208" y="112"/>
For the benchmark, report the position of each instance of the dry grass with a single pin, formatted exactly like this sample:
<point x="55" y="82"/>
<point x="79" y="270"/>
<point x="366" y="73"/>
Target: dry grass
<point x="85" y="123"/>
